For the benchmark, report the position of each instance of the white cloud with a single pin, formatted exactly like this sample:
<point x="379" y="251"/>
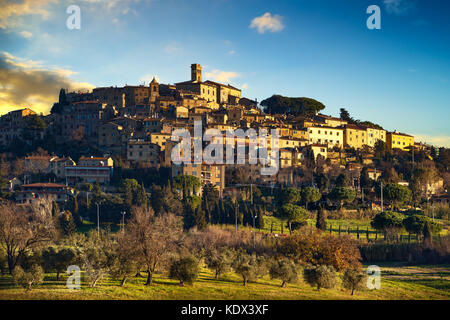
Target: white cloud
<point x="173" y="48"/>
<point x="231" y="52"/>
<point x="244" y="86"/>
<point x="11" y="10"/>
<point x="222" y="76"/>
<point x="437" y="140"/>
<point x="267" y="22"/>
<point x="147" y="78"/>
<point x="27" y="83"/>
<point x="26" y="34"/>
<point x="399" y="7"/>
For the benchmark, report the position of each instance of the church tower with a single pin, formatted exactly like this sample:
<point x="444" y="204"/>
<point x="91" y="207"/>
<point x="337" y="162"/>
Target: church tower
<point x="154" y="90"/>
<point x="196" y="72"/>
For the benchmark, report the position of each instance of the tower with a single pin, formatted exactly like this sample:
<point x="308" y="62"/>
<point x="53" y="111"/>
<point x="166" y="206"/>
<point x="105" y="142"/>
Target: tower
<point x="196" y="72"/>
<point x="154" y="90"/>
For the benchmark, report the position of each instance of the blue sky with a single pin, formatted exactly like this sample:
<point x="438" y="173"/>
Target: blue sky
<point x="398" y="76"/>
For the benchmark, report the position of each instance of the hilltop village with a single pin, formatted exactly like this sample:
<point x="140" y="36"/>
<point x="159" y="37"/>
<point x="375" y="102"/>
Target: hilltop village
<point x="112" y="133"/>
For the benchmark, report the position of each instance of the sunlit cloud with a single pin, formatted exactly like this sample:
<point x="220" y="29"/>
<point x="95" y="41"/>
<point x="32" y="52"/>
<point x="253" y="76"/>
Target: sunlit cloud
<point x="26" y="34"/>
<point x="267" y="22"/>
<point x="222" y="76"/>
<point x="27" y="83"/>
<point x="436" y="140"/>
<point x="11" y="11"/>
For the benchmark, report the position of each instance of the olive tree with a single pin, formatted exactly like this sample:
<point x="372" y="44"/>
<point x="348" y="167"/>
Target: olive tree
<point x="249" y="267"/>
<point x="320" y="276"/>
<point x="155" y="238"/>
<point x="354" y="279"/>
<point x="219" y="261"/>
<point x="58" y="259"/>
<point x="29" y="278"/>
<point x="185" y="270"/>
<point x="284" y="270"/>
<point x="24" y="227"/>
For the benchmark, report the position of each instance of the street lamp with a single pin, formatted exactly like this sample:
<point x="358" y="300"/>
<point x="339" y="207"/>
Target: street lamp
<point x="98" y="218"/>
<point x="254" y="217"/>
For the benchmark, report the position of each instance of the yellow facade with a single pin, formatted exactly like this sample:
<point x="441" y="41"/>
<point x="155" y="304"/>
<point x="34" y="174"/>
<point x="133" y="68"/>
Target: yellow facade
<point x="355" y="137"/>
<point x="397" y="140"/>
<point x="160" y="139"/>
<point x="374" y="134"/>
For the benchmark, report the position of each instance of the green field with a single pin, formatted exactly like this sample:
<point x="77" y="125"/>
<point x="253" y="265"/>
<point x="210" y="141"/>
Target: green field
<point x="345" y="224"/>
<point x="397" y="283"/>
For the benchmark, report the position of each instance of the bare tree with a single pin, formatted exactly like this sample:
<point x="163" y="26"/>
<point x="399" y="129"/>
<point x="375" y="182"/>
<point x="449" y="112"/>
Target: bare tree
<point x="155" y="238"/>
<point x="23" y="227"/>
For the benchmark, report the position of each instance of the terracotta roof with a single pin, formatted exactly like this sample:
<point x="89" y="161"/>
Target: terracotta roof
<point x="93" y="158"/>
<point x="44" y="185"/>
<point x="400" y="134"/>
<point x="221" y="84"/>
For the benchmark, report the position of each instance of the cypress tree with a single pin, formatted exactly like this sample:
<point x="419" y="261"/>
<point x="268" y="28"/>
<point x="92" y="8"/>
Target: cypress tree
<point x="188" y="217"/>
<point x="260" y="220"/>
<point x="321" y="224"/>
<point x="55" y="209"/>
<point x="199" y="217"/>
<point x="427" y="233"/>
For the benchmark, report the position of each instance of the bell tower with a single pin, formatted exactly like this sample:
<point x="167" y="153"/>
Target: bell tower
<point x="154" y="89"/>
<point x="196" y="72"/>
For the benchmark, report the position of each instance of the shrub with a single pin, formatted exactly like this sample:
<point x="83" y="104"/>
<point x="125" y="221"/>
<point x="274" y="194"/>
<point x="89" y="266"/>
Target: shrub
<point x="284" y="270"/>
<point x="185" y="270"/>
<point x="437" y="252"/>
<point x="27" y="279"/>
<point x="3" y="264"/>
<point x="309" y="247"/>
<point x="339" y="252"/>
<point x="320" y="276"/>
<point x="354" y="279"/>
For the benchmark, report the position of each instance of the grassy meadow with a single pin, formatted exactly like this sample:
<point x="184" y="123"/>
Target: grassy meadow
<point x="398" y="282"/>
